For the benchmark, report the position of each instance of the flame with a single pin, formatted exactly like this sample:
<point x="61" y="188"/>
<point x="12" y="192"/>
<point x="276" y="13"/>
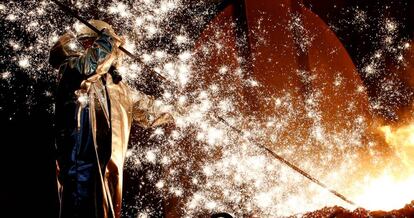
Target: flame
<point x="402" y="140"/>
<point x="394" y="187"/>
<point x="403" y="136"/>
<point x="386" y="193"/>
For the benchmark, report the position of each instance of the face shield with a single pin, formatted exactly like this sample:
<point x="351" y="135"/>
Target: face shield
<point x="66" y="46"/>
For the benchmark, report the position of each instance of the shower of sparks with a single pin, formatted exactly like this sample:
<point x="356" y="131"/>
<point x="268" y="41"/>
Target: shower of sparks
<point x="203" y="162"/>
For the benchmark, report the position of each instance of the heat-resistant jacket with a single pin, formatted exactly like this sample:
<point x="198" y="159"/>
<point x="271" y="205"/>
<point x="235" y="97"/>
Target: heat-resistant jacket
<point x="93" y="120"/>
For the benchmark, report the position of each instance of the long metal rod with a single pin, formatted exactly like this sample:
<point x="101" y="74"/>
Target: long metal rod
<point x="289" y="164"/>
<point x="281" y="159"/>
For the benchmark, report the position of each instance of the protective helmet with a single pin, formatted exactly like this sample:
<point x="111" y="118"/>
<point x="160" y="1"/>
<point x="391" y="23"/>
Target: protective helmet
<point x="84" y="31"/>
<point x="66" y="46"/>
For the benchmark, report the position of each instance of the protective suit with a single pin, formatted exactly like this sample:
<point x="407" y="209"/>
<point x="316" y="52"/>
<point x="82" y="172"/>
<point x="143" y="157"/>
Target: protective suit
<point x="93" y="119"/>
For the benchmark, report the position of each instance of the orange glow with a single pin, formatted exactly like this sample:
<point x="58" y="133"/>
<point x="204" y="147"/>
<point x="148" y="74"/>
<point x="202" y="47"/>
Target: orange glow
<point x="394" y="187"/>
<point x="402" y="140"/>
<point x="386" y="193"/>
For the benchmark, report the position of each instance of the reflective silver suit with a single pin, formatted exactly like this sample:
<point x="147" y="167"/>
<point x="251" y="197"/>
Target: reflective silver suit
<point x="93" y="120"/>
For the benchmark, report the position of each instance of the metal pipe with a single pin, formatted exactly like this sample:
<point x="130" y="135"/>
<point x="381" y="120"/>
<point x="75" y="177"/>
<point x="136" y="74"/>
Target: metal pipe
<point x="289" y="164"/>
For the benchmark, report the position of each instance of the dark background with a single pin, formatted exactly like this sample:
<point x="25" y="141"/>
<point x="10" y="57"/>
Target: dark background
<point x="28" y="185"/>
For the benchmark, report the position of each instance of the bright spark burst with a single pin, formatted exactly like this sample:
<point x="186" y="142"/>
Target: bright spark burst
<point x="24" y="62"/>
<point x="6" y="75"/>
